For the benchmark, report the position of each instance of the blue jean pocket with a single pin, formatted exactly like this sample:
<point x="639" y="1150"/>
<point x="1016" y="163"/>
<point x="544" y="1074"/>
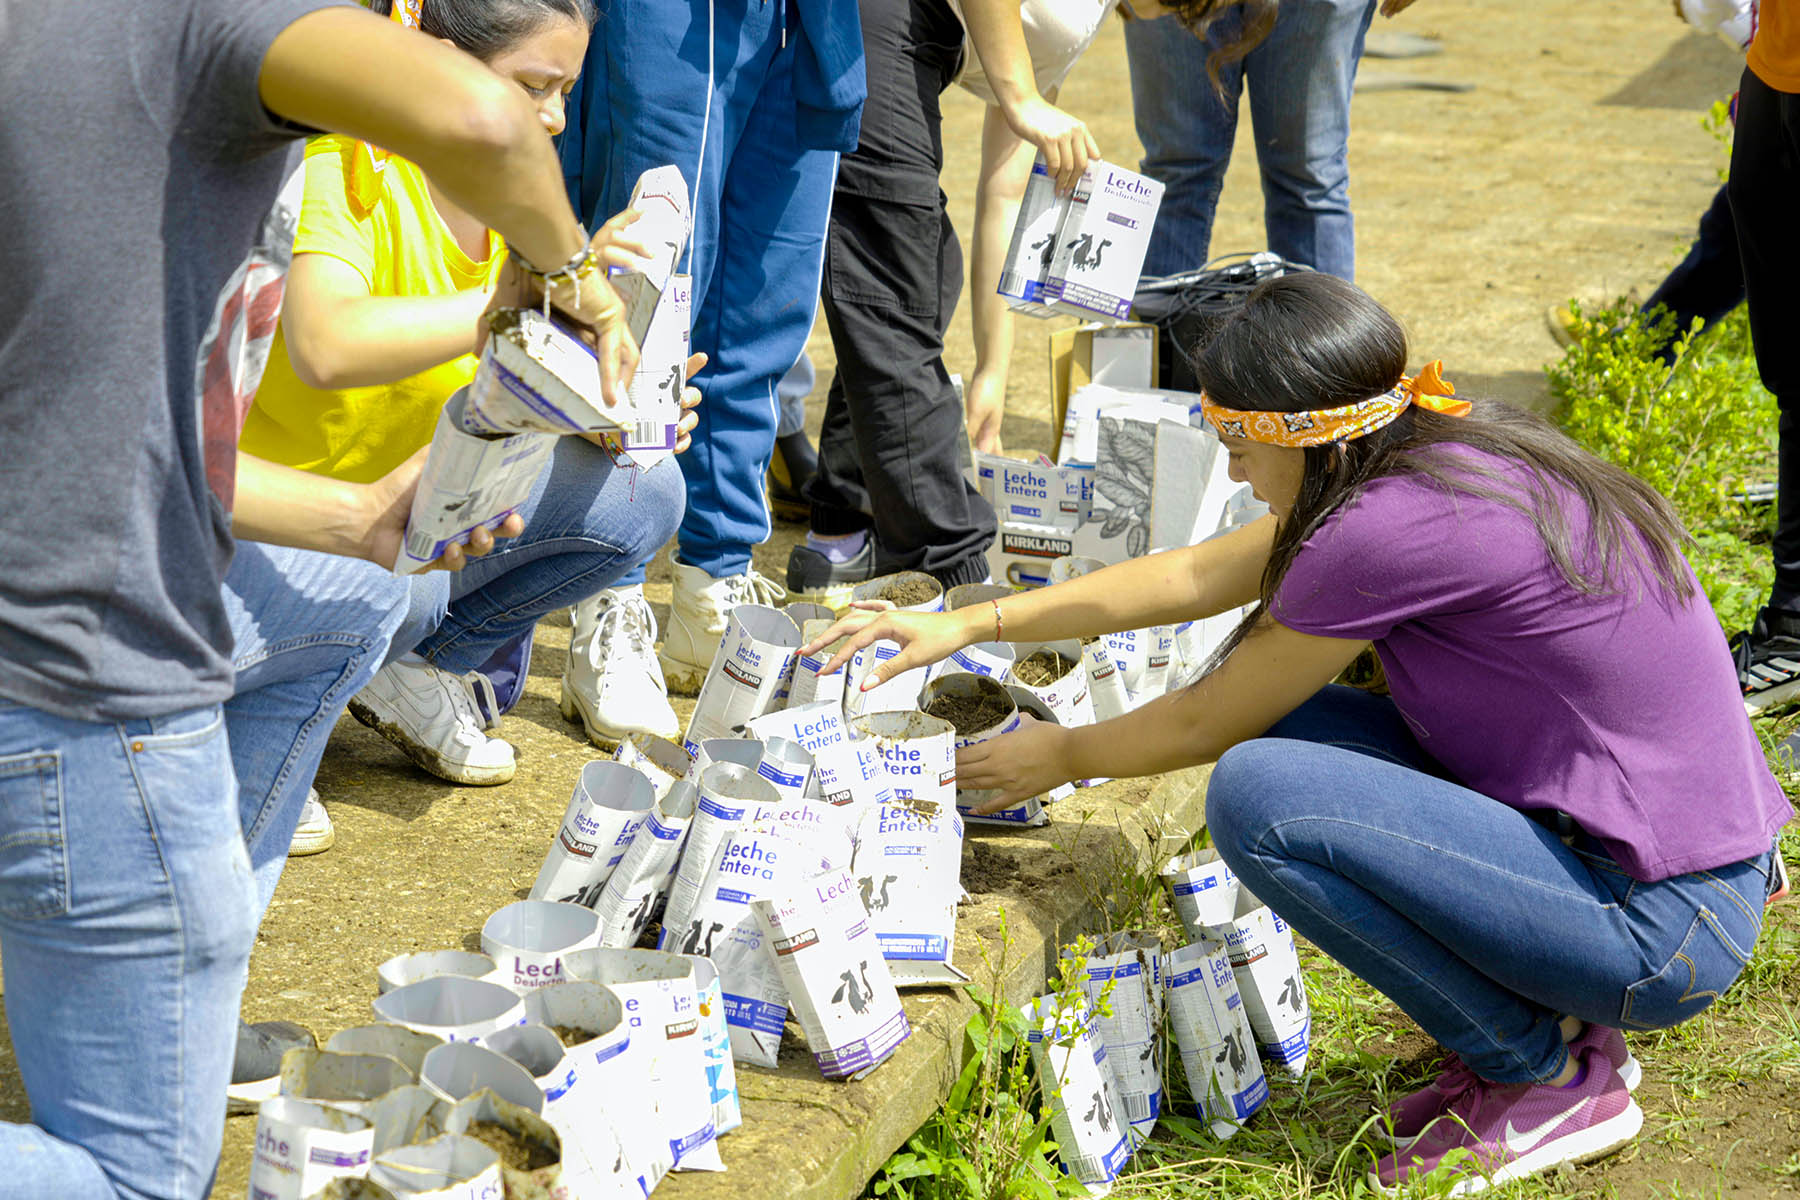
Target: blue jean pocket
<point x="34" y="862"/>
<point x="1707" y="963"/>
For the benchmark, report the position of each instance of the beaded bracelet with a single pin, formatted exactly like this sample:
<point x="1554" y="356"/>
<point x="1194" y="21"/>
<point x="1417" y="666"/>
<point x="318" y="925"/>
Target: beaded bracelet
<point x="583" y="263"/>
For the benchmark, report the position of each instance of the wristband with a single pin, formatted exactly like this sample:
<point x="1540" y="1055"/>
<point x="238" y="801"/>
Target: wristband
<point x="999" y="622"/>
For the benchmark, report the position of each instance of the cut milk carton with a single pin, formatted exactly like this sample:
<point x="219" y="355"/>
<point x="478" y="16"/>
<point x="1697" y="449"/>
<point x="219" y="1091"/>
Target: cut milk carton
<point x="754" y="663"/>
<point x="660" y="197"/>
<point x="715" y="1037"/>
<point x="301" y="1146"/>
<point x="836" y="978"/>
<point x="610" y="800"/>
<point x="537" y="375"/>
<point x="445" y="1168"/>
<point x="1037" y="493"/>
<point x="469" y="482"/>
<point x="1092" y="1139"/>
<point x="1101" y="243"/>
<point x="1025" y="272"/>
<point x="644" y="875"/>
<point x="1213" y="1035"/>
<point x="1126" y="970"/>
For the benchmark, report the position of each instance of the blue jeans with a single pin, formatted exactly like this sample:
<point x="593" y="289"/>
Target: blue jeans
<point x="645" y="99"/>
<point x="309" y="630"/>
<point x="587" y="522"/>
<point x="127" y="913"/>
<point x="1300" y="79"/>
<point x="1474" y="918"/>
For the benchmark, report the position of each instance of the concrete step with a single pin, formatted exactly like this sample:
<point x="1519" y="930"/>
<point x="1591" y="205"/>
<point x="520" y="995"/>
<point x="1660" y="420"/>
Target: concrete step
<point x="805" y="1138"/>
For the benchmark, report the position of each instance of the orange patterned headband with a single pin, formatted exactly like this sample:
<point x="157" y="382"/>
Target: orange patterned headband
<point x="1321" y="427"/>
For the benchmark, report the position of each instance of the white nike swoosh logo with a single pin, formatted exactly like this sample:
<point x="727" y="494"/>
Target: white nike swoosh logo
<point x="1523" y="1140"/>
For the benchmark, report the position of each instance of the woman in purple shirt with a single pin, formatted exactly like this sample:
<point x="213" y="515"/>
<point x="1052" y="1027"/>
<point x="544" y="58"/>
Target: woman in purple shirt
<point x="1560" y="823"/>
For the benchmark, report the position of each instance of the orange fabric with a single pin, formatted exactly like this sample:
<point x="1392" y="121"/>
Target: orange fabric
<point x="1775" y="47"/>
<point x="362" y="175"/>
<point x="1428" y="389"/>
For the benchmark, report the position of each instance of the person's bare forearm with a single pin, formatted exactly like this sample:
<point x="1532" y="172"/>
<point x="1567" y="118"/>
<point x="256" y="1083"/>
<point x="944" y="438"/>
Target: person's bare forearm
<point x="473" y="133"/>
<point x="287" y="507"/>
<point x="369" y="340"/>
<point x="999" y="37"/>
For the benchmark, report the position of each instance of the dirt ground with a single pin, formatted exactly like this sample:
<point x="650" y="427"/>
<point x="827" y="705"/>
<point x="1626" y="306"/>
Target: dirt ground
<point x="1574" y="166"/>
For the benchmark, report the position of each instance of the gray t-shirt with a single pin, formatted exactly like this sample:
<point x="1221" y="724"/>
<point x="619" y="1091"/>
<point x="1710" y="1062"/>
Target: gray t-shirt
<point x="136" y="164"/>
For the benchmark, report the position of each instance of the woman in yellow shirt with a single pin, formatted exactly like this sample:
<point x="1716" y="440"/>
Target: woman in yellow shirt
<point x="379" y="326"/>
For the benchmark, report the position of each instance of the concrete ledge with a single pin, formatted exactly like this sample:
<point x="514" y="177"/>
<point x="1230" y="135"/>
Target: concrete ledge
<point x="804" y="1138"/>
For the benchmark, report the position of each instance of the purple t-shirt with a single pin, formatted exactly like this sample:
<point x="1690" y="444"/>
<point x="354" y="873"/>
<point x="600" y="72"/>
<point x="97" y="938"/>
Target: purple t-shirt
<point x="1622" y="710"/>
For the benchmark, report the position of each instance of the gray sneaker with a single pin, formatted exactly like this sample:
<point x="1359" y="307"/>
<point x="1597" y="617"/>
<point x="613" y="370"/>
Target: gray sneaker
<point x="256" y="1067"/>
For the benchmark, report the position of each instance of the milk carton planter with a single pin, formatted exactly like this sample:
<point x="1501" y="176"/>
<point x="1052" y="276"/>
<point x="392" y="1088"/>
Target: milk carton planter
<point x="715" y="1036"/>
<point x="1106" y="686"/>
<point x="836" y="979"/>
<point x="642" y="879"/>
<point x="841" y="775"/>
<point x="979" y="708"/>
<point x="754" y="664"/>
<point x="808" y="686"/>
<point x="662" y="1011"/>
<point x="746" y="752"/>
<point x="403" y="969"/>
<point x="455" y="1009"/>
<point x="457" y="1070"/>
<point x="662" y="762"/>
<point x="1073" y="566"/>
<point x="405" y="1046"/>
<point x="1025" y="272"/>
<point x="302" y="1146"/>
<point x="611" y="1150"/>
<point x="347" y="1081"/>
<point x="445" y="1168"/>
<point x="909" y="591"/>
<point x="1143" y="657"/>
<point x="754" y="864"/>
<point x="1052" y="671"/>
<point x="1127" y="971"/>
<point x="408" y="1114"/>
<point x="992" y="660"/>
<point x="965" y="594"/>
<point x="1213" y="1035"/>
<point x="529" y="939"/>
<point x="1203" y="891"/>
<point x="1212" y="903"/>
<point x="787" y="765"/>
<point x="1030" y="704"/>
<point x="609" y="802"/>
<point x="1268" y="973"/>
<point x="1091" y="1135"/>
<point x="541" y="1174"/>
<point x="909" y="851"/>
<point x="727" y="793"/>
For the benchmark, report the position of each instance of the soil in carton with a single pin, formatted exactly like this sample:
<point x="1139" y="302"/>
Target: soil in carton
<point x="970" y="714"/>
<point x="905" y="593"/>
<point x="517" y="1153"/>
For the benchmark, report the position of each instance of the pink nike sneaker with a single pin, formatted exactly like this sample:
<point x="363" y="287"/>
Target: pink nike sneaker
<point x="1492" y="1133"/>
<point x="1408" y="1116"/>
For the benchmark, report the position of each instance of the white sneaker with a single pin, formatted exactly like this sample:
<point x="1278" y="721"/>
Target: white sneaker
<point x="697" y="620"/>
<point x="613" y="685"/>
<point x="431" y="715"/>
<point x="314" y="834"/>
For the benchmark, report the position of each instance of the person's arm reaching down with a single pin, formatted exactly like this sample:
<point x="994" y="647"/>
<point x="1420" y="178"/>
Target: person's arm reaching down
<point x="1000" y="44"/>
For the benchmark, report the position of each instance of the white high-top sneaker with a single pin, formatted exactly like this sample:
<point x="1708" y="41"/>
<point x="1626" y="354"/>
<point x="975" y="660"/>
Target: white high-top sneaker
<point x="613" y="685"/>
<point x="697" y="620"/>
<point x="313" y="834"/>
<point x="431" y="715"/>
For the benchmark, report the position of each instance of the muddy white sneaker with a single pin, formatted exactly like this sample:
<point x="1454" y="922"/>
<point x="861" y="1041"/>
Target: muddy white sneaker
<point x="431" y="715"/>
<point x="613" y="685"/>
<point x="314" y="834"/>
<point x="256" y="1066"/>
<point x="697" y="620"/>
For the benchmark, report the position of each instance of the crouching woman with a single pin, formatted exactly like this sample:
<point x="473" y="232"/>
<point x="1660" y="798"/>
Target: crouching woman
<point x="1558" y="826"/>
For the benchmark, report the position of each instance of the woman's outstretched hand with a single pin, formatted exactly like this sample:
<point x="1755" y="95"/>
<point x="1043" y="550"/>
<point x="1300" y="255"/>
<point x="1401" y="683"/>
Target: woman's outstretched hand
<point x="1024" y="763"/>
<point x="923" y="638"/>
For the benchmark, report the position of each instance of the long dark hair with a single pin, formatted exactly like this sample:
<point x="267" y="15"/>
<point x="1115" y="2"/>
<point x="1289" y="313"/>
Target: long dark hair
<point x="1257" y="18"/>
<point x="486" y="28"/>
<point x="1310" y="341"/>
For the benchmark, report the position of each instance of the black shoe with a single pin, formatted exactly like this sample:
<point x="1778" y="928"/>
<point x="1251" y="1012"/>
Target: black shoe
<point x="1768" y="659"/>
<point x="793" y="464"/>
<point x="811" y="572"/>
<point x="256" y="1067"/>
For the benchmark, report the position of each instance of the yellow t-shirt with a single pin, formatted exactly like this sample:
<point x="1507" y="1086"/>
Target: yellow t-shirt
<point x="401" y="247"/>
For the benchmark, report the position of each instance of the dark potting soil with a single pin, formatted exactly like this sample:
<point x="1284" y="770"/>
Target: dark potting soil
<point x="985" y="869"/>
<point x="970" y="714"/>
<point x="905" y="593"/>
<point x="1042" y="668"/>
<point x="517" y="1152"/>
<point x="569" y="1035"/>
